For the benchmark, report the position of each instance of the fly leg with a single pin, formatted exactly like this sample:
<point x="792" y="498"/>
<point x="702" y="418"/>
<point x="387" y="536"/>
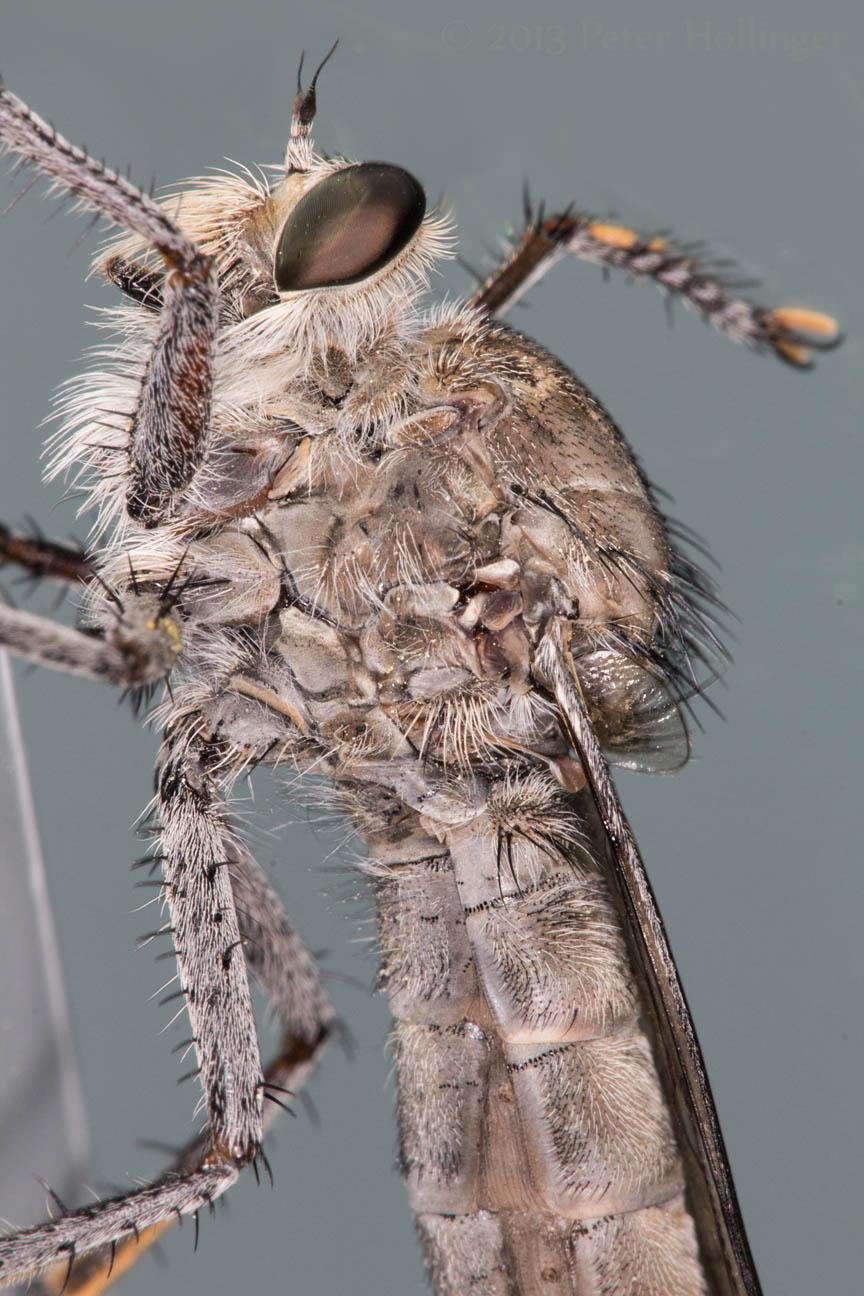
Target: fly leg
<point x="137" y="650"/>
<point x="291" y="978"/>
<point x="197" y="853"/>
<point x="169" y="426"/>
<point x="791" y="332"/>
<point x="44" y="559"/>
<point x="287" y="972"/>
<point x="135" y="281"/>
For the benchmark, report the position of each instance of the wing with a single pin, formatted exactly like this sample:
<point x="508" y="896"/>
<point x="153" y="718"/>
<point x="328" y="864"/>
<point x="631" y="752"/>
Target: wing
<point x="722" y="1237"/>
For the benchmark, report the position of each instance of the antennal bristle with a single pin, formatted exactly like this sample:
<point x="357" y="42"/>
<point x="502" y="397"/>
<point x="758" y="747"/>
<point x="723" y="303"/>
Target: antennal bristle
<point x="298" y="155"/>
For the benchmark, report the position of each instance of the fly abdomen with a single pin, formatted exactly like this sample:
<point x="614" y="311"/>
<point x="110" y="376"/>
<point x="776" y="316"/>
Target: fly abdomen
<point x="648" y="1252"/>
<point x="534" y="1137"/>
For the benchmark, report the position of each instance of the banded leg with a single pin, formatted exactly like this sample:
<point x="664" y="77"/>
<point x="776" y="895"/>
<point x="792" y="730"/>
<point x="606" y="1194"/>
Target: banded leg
<point x="170" y="423"/>
<point x="292" y="980"/>
<point x="791" y="332"/>
<point x="195" y="844"/>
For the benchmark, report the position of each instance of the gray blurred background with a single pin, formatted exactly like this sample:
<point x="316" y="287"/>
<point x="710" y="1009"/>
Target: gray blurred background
<point x="740" y="124"/>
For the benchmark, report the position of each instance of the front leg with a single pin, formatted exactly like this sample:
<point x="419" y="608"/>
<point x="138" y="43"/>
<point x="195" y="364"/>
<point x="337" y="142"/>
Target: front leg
<point x="292" y="980"/>
<point x="791" y="332"/>
<point x="167" y="437"/>
<point x="196" y="846"/>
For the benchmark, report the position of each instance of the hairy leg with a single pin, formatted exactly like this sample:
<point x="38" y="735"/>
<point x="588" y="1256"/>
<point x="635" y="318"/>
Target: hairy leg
<point x="138" y="649"/>
<point x="791" y="332"/>
<point x="170" y="423"/>
<point x="197" y="849"/>
<point x="277" y="957"/>
<point x="137" y="282"/>
<point x="292" y="980"/>
<point x="44" y="559"/>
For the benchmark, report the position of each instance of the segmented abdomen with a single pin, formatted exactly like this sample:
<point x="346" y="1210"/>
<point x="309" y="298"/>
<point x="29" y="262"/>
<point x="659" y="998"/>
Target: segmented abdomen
<point x="534" y="1137"/>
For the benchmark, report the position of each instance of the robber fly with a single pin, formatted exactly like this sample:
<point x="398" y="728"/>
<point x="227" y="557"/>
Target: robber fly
<point x="405" y="548"/>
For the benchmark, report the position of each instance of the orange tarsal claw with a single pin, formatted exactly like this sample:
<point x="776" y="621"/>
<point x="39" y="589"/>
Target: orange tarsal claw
<point x="801" y="320"/>
<point x="793" y="352"/>
<point x="789" y="323"/>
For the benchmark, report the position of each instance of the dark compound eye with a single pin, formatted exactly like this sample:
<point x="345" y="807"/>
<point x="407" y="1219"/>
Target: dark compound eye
<point x="348" y="226"/>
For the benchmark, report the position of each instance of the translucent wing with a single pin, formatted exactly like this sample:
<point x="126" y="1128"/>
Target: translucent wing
<point x="722" y="1237"/>
<point x="42" y="1122"/>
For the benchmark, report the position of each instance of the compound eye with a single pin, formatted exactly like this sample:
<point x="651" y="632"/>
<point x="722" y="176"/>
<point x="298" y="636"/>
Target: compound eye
<point x="348" y="226"/>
